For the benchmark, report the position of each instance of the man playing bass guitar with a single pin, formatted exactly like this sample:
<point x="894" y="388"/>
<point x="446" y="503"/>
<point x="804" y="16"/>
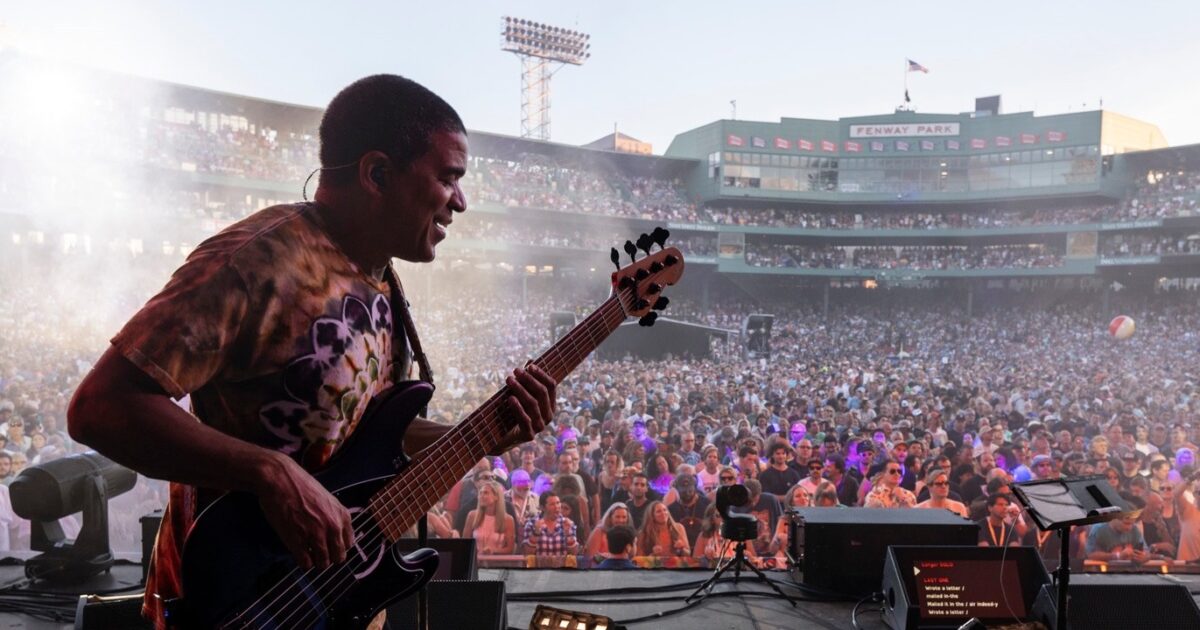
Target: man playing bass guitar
<point x="281" y="330"/>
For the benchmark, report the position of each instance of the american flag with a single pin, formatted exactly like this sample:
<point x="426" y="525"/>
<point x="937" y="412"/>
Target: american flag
<point x="916" y="67"/>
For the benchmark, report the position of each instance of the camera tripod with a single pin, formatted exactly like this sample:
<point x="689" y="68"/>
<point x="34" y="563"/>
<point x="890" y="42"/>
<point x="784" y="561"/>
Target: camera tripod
<point x="736" y="562"/>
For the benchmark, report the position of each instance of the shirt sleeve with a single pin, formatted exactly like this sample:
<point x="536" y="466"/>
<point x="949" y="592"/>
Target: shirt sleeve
<point x="184" y="336"/>
<point x="1093" y="539"/>
<point x="530" y="524"/>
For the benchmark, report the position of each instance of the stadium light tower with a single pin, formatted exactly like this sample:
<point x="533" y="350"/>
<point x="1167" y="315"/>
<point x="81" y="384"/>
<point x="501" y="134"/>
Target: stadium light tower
<point x="540" y="46"/>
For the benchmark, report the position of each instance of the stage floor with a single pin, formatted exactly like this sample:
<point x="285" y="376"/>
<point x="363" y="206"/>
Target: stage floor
<point x="744" y="606"/>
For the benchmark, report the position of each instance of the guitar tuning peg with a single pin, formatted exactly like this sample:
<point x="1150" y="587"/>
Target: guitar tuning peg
<point x="625" y="283"/>
<point x="640" y="304"/>
<point x="661" y="303"/>
<point x="653" y="288"/>
<point x="631" y="249"/>
<point x="644" y="242"/>
<point x="641" y="274"/>
<point x="648" y="319"/>
<point x="660" y="236"/>
<point x="615" y="256"/>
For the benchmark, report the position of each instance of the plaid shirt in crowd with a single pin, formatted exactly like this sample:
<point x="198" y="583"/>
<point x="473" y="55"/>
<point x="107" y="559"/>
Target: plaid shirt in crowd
<point x="551" y="542"/>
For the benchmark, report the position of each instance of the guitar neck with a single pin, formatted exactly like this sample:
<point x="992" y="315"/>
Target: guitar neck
<point x="399" y="504"/>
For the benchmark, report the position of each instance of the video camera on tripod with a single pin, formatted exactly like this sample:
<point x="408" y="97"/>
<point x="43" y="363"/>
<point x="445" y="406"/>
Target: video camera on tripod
<point x="737" y="528"/>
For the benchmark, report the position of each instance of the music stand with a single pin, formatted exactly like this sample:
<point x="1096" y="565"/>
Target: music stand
<point x="1059" y="504"/>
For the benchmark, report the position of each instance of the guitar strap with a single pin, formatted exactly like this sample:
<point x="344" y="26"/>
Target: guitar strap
<point x="403" y="328"/>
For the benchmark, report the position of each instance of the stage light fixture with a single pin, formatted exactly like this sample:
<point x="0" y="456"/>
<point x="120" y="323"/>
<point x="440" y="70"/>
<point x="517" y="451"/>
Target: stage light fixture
<point x="548" y="618"/>
<point x="47" y="492"/>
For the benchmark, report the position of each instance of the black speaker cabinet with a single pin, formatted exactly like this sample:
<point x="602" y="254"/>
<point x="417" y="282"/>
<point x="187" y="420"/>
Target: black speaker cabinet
<point x="843" y="550"/>
<point x="455" y="605"/>
<point x="1121" y="603"/>
<point x="944" y="587"/>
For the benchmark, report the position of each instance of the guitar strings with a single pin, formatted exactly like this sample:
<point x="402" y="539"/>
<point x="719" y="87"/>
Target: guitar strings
<point x="390" y="502"/>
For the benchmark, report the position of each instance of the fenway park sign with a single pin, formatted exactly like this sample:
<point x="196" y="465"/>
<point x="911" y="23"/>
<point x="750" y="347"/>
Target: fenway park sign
<point x="905" y="130"/>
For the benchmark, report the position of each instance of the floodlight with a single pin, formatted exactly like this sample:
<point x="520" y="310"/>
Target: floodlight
<point x="540" y="45"/>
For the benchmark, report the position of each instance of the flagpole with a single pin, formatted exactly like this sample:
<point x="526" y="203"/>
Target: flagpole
<point x="905" y="105"/>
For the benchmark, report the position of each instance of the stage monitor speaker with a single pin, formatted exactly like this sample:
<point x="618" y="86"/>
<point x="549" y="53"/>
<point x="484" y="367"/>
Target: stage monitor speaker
<point x="945" y="587"/>
<point x="843" y="550"/>
<point x="456" y="556"/>
<point x="455" y="605"/>
<point x="1112" y="602"/>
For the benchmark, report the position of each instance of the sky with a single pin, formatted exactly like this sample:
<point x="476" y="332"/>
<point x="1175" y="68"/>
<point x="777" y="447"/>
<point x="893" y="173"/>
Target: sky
<point x="657" y="68"/>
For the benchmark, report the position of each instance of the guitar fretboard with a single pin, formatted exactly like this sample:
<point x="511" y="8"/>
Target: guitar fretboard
<point x="399" y="504"/>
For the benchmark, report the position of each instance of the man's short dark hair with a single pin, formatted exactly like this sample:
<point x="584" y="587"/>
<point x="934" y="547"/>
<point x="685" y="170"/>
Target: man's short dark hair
<point x="993" y="498"/>
<point x="544" y="497"/>
<point x="962" y="470"/>
<point x="839" y="462"/>
<point x="619" y="538"/>
<point x="382" y="112"/>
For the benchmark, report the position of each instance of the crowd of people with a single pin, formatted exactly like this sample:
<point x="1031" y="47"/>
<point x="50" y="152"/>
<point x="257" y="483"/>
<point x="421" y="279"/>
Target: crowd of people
<point x="601" y="239"/>
<point x="837" y="418"/>
<point x="1149" y="245"/>
<point x="923" y="257"/>
<point x="261" y="153"/>
<point x="1163" y="194"/>
<point x="895" y="219"/>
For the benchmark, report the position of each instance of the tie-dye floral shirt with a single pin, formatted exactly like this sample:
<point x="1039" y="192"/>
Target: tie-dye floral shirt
<point x="279" y="339"/>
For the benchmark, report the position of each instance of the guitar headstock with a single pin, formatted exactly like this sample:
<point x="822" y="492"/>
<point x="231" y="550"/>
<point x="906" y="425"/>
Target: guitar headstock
<point x="639" y="284"/>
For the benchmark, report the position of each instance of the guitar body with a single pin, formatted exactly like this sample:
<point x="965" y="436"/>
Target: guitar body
<point x="237" y="573"/>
